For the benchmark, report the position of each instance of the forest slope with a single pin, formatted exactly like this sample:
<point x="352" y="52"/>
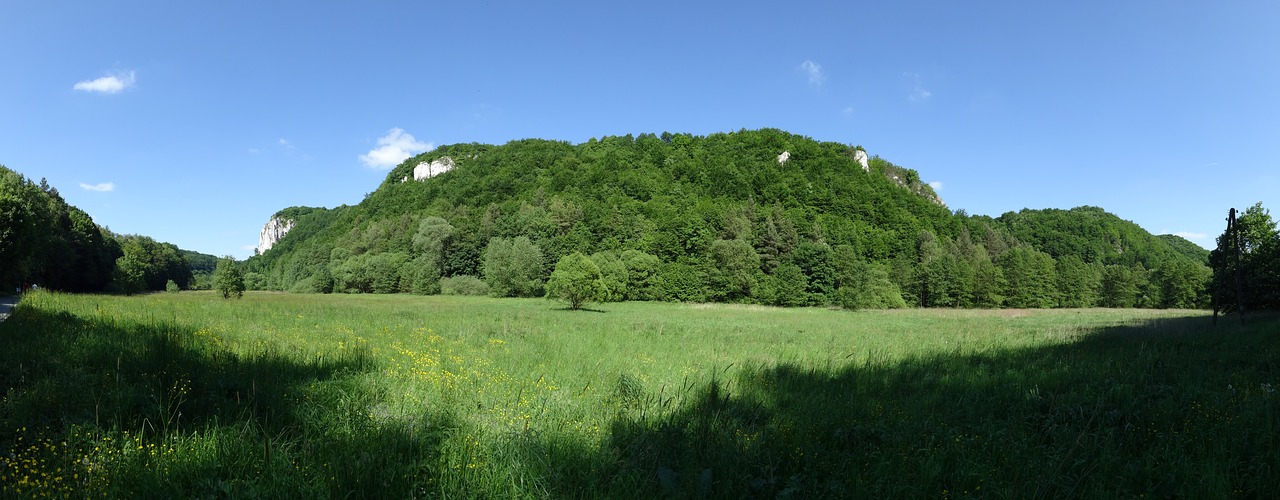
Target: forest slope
<point x="752" y="216"/>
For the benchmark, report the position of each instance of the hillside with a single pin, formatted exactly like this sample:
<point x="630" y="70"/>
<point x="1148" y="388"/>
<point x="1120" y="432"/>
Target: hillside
<point x="752" y="216"/>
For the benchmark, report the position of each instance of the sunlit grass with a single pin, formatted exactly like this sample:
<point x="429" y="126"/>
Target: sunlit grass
<point x="284" y="395"/>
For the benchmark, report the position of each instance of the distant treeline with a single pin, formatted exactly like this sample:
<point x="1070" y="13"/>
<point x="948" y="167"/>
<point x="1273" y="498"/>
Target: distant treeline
<point x="719" y="218"/>
<point x="46" y="242"/>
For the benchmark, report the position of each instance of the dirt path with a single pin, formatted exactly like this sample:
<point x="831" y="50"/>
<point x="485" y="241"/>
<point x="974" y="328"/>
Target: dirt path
<point x="7" y="303"/>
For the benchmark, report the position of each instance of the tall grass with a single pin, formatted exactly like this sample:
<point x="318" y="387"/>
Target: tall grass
<point x="277" y="395"/>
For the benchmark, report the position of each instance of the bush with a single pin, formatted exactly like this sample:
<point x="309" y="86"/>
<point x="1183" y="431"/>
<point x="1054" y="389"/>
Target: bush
<point x="463" y="285"/>
<point x="171" y="286"/>
<point x="576" y="281"/>
<point x="513" y="267"/>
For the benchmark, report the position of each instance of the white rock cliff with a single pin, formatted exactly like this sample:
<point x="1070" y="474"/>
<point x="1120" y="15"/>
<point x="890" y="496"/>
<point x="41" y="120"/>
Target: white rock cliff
<point x="426" y="170"/>
<point x="274" y="229"/>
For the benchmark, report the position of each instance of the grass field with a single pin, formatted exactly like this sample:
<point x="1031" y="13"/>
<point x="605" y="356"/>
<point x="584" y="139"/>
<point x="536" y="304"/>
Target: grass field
<point x="306" y="396"/>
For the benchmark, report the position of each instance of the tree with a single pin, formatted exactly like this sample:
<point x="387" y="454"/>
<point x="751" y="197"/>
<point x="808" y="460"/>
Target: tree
<point x="227" y="278"/>
<point x="1256" y="242"/>
<point x="733" y="270"/>
<point x="513" y="267"/>
<point x="576" y="281"/>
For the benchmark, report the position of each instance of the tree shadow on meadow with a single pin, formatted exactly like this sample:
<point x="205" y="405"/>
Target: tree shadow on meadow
<point x="93" y="388"/>
<point x="1173" y="408"/>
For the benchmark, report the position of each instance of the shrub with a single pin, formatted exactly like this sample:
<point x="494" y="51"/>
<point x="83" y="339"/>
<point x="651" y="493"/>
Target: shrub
<point x="171" y="286"/>
<point x="463" y="285"/>
<point x="576" y="281"/>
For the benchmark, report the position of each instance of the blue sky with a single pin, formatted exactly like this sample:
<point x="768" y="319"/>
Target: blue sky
<point x="193" y="122"/>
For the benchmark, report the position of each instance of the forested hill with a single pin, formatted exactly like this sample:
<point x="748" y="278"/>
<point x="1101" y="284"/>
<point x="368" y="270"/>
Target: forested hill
<point x="46" y="242"/>
<point x="752" y="216"/>
<point x="1094" y="235"/>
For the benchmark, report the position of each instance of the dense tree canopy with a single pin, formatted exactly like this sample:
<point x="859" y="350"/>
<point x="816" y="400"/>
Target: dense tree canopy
<point x="46" y="242"/>
<point x="1247" y="262"/>
<point x="720" y="218"/>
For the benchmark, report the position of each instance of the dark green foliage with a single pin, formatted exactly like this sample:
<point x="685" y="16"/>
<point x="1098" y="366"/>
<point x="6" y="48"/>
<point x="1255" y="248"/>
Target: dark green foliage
<point x="787" y="287"/>
<point x="45" y="241"/>
<point x="1252" y="256"/>
<point x="681" y="282"/>
<point x="228" y="279"/>
<point x="576" y="281"/>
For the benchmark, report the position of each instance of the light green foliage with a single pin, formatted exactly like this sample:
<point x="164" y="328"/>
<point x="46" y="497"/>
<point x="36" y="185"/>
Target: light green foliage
<point x="255" y="281"/>
<point x="1031" y="278"/>
<point x="463" y="285"/>
<point x="867" y="286"/>
<point x="733" y="271"/>
<point x="129" y="275"/>
<point x="399" y="396"/>
<point x="576" y="281"/>
<point x="172" y="287"/>
<point x="513" y="267"/>
<point x="613" y="275"/>
<point x="642" y="275"/>
<point x="1078" y="283"/>
<point x="228" y="279"/>
<point x="1120" y="286"/>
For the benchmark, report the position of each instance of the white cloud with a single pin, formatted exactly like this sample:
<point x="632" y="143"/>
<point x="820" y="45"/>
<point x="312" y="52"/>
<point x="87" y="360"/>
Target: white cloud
<point x="918" y="92"/>
<point x="104" y="187"/>
<point x="936" y="185"/>
<point x="392" y="149"/>
<point x="1187" y="234"/>
<point x="253" y="151"/>
<point x="814" y="71"/>
<point x="112" y="84"/>
<point x="848" y="110"/>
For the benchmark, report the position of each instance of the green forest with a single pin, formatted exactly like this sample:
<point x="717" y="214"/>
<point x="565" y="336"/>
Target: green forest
<point x="719" y="218"/>
<point x="45" y="242"/>
<point x="754" y="216"/>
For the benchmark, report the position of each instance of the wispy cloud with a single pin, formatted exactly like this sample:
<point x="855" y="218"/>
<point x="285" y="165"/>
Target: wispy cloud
<point x="918" y="92"/>
<point x="392" y="149"/>
<point x="286" y="144"/>
<point x="814" y="70"/>
<point x="1187" y="234"/>
<point x="936" y="185"/>
<point x="104" y="187"/>
<point x="111" y="84"/>
<point x="848" y="110"/>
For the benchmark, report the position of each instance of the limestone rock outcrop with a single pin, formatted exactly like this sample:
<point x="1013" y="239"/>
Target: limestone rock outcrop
<point x="436" y="167"/>
<point x="271" y="233"/>
<point x="860" y="156"/>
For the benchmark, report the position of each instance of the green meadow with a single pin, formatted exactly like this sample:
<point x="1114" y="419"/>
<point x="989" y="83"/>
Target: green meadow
<point x="321" y="396"/>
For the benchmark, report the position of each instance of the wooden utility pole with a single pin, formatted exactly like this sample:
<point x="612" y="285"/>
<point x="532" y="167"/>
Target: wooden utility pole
<point x="1233" y="232"/>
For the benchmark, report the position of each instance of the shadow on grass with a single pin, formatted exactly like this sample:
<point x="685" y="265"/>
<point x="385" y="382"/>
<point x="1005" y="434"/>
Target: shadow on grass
<point x="125" y="408"/>
<point x="580" y="309"/>
<point x="1167" y="409"/>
